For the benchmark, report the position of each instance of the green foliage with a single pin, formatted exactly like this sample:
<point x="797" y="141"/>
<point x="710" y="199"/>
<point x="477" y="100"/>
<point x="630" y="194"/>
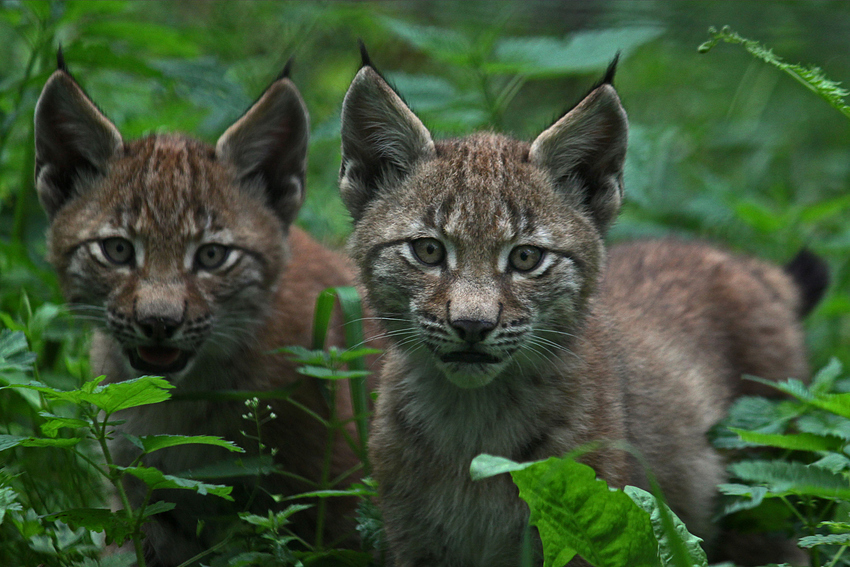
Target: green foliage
<point x="812" y="78"/>
<point x="714" y="153"/>
<point x="811" y="478"/>
<point x="576" y="513"/>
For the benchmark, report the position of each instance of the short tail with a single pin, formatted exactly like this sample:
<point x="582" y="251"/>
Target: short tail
<point x="811" y="274"/>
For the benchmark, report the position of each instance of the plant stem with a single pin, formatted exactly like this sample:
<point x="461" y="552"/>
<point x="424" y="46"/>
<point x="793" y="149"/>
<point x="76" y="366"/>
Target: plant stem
<point x="324" y="484"/>
<point x="116" y="479"/>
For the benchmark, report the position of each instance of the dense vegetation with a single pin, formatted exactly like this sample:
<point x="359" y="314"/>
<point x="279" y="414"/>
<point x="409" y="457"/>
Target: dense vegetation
<point x="722" y="146"/>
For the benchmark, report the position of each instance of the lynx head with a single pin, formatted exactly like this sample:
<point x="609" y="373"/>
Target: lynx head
<point x="479" y="253"/>
<point x="173" y="245"/>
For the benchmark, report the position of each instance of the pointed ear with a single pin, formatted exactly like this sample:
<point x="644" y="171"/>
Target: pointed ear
<point x="73" y="139"/>
<point x="584" y="153"/>
<point x="381" y="140"/>
<point x="268" y="147"/>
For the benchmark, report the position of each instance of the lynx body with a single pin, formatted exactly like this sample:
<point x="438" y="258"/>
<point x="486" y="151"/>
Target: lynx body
<point x="513" y="335"/>
<point x="186" y="257"/>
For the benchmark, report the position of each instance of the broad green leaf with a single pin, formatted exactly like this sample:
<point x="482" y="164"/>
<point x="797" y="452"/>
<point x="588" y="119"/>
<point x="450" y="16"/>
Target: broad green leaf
<point x="9" y="441"/>
<point x="331" y="373"/>
<point x="110" y="397"/>
<point x="115" y="525"/>
<point x="152" y="443"/>
<point x="54" y="423"/>
<point x="574" y="512"/>
<point x="829" y="539"/>
<point x="156" y="479"/>
<point x="484" y="466"/>
<point x="833" y="462"/>
<point x="749" y="497"/>
<point x="154" y="38"/>
<point x="671" y="546"/>
<point x="795" y="442"/>
<point x="443" y="44"/>
<point x="14" y="352"/>
<point x="785" y="477"/>
<point x="130" y="393"/>
<point x="158" y="507"/>
<point x="581" y="52"/>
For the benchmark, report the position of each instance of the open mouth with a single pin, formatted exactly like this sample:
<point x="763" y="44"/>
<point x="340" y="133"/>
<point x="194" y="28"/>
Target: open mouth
<point x="158" y="359"/>
<point x="470" y="357"/>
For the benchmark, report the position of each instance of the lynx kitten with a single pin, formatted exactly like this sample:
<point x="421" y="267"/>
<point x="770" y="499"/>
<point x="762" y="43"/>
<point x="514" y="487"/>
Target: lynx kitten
<point x="186" y="256"/>
<point x="513" y="335"/>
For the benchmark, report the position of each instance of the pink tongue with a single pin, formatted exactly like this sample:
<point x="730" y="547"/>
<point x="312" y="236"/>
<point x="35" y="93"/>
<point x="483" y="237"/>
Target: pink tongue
<point x="159" y="356"/>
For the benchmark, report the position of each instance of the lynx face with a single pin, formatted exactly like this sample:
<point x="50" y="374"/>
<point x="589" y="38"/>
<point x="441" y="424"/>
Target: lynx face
<point x="173" y="246"/>
<point x="481" y="276"/>
<point x="479" y="253"/>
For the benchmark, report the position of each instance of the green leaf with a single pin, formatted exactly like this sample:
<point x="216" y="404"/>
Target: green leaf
<point x="130" y="393"/>
<point x="152" y="443"/>
<point x="8" y="502"/>
<point x="14" y="352"/>
<point x="9" y="441"/>
<point x="687" y="543"/>
<point x="484" y="466"/>
<point x="110" y="397"/>
<point x="830" y="539"/>
<point x="749" y="497"/>
<point x="783" y="478"/>
<point x="574" y="512"/>
<point x="330" y="373"/>
<point x="810" y="77"/>
<point x="796" y="442"/>
<point x="156" y="479"/>
<point x="581" y="52"/>
<point x="274" y="520"/>
<point x="115" y="525"/>
<point x="54" y="423"/>
<point x="824" y="380"/>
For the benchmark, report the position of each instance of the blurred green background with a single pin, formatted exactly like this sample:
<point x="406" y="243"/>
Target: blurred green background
<point x="722" y="146"/>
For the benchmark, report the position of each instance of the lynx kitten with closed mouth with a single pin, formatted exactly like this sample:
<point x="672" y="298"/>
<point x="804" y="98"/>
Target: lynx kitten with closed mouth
<point x="513" y="331"/>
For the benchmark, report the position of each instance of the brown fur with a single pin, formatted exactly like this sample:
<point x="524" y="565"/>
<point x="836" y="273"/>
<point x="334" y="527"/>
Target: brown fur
<point x="492" y="356"/>
<point x="167" y="197"/>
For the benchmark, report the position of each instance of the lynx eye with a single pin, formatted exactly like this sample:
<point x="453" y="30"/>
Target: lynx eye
<point x="429" y="251"/>
<point x="117" y="250"/>
<point x="525" y="258"/>
<point x="211" y="256"/>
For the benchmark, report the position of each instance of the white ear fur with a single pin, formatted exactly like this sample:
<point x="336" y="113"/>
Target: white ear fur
<point x="381" y="140"/>
<point x="72" y="139"/>
<point x="268" y="147"/>
<point x="584" y="153"/>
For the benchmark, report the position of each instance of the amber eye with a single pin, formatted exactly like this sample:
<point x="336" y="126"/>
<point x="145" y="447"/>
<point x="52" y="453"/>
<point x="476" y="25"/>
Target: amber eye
<point x="430" y="251"/>
<point x="211" y="256"/>
<point x="117" y="250"/>
<point x="525" y="258"/>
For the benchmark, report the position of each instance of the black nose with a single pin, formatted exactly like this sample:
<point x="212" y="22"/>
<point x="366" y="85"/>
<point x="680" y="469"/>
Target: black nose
<point x="472" y="330"/>
<point x="158" y="328"/>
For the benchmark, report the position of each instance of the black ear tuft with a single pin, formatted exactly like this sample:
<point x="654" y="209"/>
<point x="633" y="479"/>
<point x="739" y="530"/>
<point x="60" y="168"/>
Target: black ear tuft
<point x="365" y="60"/>
<point x="60" y="60"/>
<point x="287" y="69"/>
<point x="608" y="79"/>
